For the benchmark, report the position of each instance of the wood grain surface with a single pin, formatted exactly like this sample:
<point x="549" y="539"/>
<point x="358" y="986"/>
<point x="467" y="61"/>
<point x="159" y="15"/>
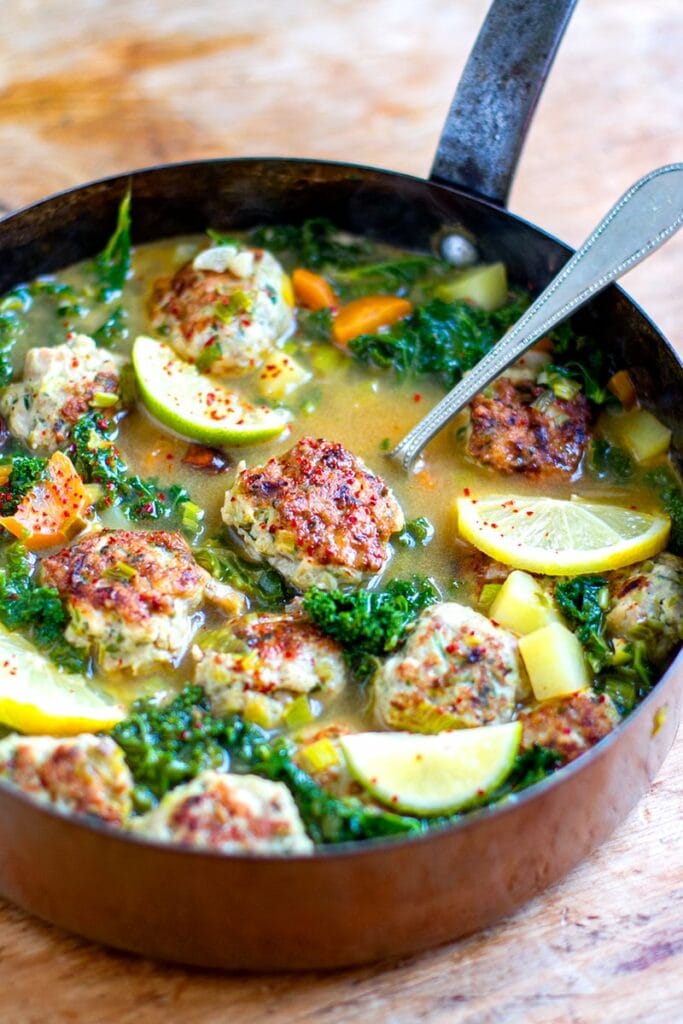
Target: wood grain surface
<point x="89" y="88"/>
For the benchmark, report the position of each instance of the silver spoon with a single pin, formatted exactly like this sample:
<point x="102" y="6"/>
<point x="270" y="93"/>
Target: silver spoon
<point x="643" y="219"/>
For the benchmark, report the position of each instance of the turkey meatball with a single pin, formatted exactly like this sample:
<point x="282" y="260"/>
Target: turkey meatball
<point x="647" y="602"/>
<point x="316" y="513"/>
<point x="457" y="669"/>
<point x="570" y="725"/>
<point x="131" y="595"/>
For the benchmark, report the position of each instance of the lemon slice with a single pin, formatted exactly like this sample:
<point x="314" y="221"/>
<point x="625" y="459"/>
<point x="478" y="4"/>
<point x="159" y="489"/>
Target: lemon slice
<point x="437" y="774"/>
<point x="37" y="698"/>
<point x="195" y="406"/>
<point x="560" y="538"/>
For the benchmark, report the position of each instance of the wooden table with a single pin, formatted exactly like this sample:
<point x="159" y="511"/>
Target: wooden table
<point x="89" y="87"/>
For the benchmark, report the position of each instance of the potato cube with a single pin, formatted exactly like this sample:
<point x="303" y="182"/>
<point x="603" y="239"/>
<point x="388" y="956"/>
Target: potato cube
<point x="554" y="660"/>
<point x="280" y="375"/>
<point x="643" y="434"/>
<point x="485" y="286"/>
<point x="522" y="605"/>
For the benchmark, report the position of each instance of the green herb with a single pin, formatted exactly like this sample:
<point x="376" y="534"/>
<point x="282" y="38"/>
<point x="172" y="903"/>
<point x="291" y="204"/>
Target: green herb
<point x="583" y="601"/>
<point x="609" y="462"/>
<point x="36" y="611"/>
<point x="630" y="679"/>
<point x="562" y="384"/>
<point x="666" y="485"/>
<point x="26" y="471"/>
<point x="315" y="243"/>
<point x="263" y="585"/>
<point x="222" y="239"/>
<point x="113" y="330"/>
<point x="113" y="263"/>
<point x="389" y="275"/>
<point x="440" y="339"/>
<point x="315" y="324"/>
<point x="583" y="375"/>
<point x="369" y="624"/>
<point x="99" y="461"/>
<point x="416" y="533"/>
<point x="15" y="304"/>
<point x="208" y="356"/>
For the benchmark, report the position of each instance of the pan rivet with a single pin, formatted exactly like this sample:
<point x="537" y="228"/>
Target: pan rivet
<point x="458" y="250"/>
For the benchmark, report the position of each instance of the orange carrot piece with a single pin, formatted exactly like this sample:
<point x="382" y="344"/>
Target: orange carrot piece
<point x="363" y="316"/>
<point x="623" y="387"/>
<point x="52" y="511"/>
<point x="544" y="345"/>
<point x="312" y="291"/>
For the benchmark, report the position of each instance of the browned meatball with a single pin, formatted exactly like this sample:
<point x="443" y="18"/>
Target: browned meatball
<point x="130" y="595"/>
<point x="524" y="428"/>
<point x="316" y="513"/>
<point x="232" y="813"/>
<point x="87" y="774"/>
<point x="570" y="725"/>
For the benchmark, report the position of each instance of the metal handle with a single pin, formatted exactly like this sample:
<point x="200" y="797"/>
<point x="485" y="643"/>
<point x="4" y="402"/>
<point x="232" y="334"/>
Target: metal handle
<point x="643" y="219"/>
<point x="497" y="95"/>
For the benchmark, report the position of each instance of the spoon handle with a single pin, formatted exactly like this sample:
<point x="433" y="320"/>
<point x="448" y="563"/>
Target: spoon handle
<point x="642" y="220"/>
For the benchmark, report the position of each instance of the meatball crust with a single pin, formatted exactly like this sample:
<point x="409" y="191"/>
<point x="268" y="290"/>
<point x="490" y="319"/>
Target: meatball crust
<point x="227" y="308"/>
<point x="264" y="662"/>
<point x="457" y="669"/>
<point x="58" y="385"/>
<point x="570" y="725"/>
<point x="87" y="774"/>
<point x="647" y="603"/>
<point x="523" y="428"/>
<point x="231" y="813"/>
<point x="130" y="595"/>
<point x="316" y="513"/>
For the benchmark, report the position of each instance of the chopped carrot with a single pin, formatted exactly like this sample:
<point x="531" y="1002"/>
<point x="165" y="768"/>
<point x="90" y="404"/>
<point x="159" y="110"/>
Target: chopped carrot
<point x="312" y="291"/>
<point x="623" y="387"/>
<point x="426" y="479"/>
<point x="362" y="316"/>
<point x="52" y="511"/>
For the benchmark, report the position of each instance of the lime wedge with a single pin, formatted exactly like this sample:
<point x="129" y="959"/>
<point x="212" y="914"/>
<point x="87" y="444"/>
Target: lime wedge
<point x="436" y="774"/>
<point x="37" y="698"/>
<point x="560" y="538"/>
<point x="196" y="406"/>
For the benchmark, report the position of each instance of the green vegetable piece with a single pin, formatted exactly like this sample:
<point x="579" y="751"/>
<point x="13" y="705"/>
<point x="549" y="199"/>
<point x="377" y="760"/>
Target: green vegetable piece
<point x="666" y="485"/>
<point x="583" y="601"/>
<point x="113" y="263"/>
<point x="485" y="286"/>
<point x="368" y="624"/>
<point x="313" y="244"/>
<point x="263" y="585"/>
<point x="26" y="471"/>
<point x="609" y="462"/>
<point x="416" y="533"/>
<point x="113" y="329"/>
<point x="299" y="712"/>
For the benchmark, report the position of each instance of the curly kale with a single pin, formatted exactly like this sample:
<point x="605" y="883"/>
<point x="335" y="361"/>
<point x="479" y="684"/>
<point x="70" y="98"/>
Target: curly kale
<point x="99" y="461"/>
<point x="584" y="600"/>
<point x="314" y="244"/>
<point x="26" y="471"/>
<point x="440" y="339"/>
<point x="625" y="673"/>
<point x="165" y="746"/>
<point x="36" y="611"/>
<point x="666" y="485"/>
<point x="112" y="265"/>
<point x="368" y="624"/>
<point x="393" y="275"/>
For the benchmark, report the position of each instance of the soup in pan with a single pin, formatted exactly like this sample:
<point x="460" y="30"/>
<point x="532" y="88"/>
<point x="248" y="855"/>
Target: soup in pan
<point x="230" y="621"/>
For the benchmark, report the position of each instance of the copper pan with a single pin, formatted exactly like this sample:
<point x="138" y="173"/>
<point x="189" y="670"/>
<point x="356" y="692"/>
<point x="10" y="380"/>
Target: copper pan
<point x="361" y="902"/>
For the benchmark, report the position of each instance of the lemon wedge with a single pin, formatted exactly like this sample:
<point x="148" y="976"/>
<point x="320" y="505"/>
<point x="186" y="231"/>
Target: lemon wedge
<point x="37" y="698"/>
<point x="560" y="538"/>
<point x="196" y="406"/>
<point x="437" y="774"/>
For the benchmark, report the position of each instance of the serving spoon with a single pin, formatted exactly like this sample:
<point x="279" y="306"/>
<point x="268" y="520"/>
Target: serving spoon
<point x="645" y="217"/>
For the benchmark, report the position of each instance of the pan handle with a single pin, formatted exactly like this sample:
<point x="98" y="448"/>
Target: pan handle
<point x="497" y="95"/>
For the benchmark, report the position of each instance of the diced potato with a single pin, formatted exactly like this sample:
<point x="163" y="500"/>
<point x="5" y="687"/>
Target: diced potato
<point x="281" y="374"/>
<point x="554" y="660"/>
<point x="643" y="434"/>
<point x="485" y="286"/>
<point x="522" y="605"/>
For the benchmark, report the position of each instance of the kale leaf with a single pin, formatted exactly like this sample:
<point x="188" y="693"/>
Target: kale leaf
<point x="112" y="265"/>
<point x="35" y="610"/>
<point x="583" y="600"/>
<point x="609" y="462"/>
<point x="26" y="471"/>
<point x="99" y="461"/>
<point x="441" y="339"/>
<point x="416" y="533"/>
<point x="666" y="485"/>
<point x="395" y="275"/>
<point x="369" y="624"/>
<point x="314" y="244"/>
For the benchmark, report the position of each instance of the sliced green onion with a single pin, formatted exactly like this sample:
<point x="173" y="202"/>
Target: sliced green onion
<point x="191" y="516"/>
<point x="103" y="400"/>
<point x="298" y="713"/>
<point x="489" y="592"/>
<point x="121" y="571"/>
